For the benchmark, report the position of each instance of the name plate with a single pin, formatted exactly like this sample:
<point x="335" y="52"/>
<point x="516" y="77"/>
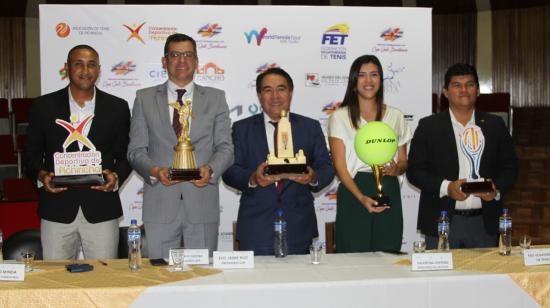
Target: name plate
<point x="234" y="259"/>
<point x="432" y="261"/>
<point x="195" y="256"/>
<point x="12" y="272"/>
<point x="536" y="256"/>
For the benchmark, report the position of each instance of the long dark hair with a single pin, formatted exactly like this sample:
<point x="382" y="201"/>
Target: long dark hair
<point x="351" y="100"/>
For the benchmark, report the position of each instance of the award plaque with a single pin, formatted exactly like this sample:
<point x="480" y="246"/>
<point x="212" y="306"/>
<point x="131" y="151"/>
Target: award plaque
<point x="376" y="144"/>
<point x="283" y="163"/>
<point x="184" y="165"/>
<point x="80" y="168"/>
<point x="472" y="143"/>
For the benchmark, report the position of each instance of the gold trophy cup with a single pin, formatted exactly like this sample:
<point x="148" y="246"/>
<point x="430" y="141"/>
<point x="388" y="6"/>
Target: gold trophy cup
<point x="184" y="165"/>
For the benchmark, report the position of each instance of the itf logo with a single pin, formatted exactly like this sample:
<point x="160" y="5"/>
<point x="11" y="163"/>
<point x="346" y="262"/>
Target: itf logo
<point x="255" y="34"/>
<point x="335" y="35"/>
<point x="134" y="32"/>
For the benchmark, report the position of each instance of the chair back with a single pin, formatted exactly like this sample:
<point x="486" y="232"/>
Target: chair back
<point x="21" y="241"/>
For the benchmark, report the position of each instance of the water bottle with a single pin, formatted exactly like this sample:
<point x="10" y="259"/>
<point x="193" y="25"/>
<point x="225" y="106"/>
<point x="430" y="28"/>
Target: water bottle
<point x="505" y="230"/>
<point x="443" y="228"/>
<point x="280" y="245"/>
<point x="134" y="247"/>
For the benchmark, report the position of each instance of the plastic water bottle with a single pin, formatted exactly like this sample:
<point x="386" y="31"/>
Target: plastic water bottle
<point x="134" y="247"/>
<point x="505" y="237"/>
<point x="443" y="228"/>
<point x="280" y="245"/>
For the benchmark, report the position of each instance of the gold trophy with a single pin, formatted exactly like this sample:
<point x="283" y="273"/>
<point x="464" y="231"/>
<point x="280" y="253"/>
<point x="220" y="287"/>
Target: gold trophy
<point x="376" y="144"/>
<point x="283" y="163"/>
<point x="184" y="165"/>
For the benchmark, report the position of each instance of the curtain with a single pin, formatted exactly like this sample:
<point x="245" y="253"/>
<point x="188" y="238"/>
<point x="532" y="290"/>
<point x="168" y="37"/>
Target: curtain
<point x="12" y="57"/>
<point x="454" y="41"/>
<point x="521" y="59"/>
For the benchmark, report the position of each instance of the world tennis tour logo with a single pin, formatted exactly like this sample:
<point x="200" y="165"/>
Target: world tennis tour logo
<point x="259" y="36"/>
<point x="62" y="29"/>
<point x="209" y="30"/>
<point x="134" y="32"/>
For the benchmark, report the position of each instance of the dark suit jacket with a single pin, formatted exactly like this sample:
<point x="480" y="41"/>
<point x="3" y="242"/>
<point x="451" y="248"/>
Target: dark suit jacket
<point x="433" y="157"/>
<point x="109" y="134"/>
<point x="258" y="205"/>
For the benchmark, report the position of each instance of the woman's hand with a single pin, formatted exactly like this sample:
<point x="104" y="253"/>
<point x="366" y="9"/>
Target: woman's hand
<point x="370" y="205"/>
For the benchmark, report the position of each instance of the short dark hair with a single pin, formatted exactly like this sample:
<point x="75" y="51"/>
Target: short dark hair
<point x="82" y="46"/>
<point x="460" y="69"/>
<point x="274" y="71"/>
<point x="179" y="37"/>
<point x="352" y="100"/>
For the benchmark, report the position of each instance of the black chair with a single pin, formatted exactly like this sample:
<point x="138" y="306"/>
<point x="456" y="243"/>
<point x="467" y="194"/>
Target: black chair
<point x="18" y="242"/>
<point x="123" y="243"/>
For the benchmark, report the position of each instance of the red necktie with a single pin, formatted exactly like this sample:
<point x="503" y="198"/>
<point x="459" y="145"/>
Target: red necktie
<point x="279" y="183"/>
<point x="176" y="118"/>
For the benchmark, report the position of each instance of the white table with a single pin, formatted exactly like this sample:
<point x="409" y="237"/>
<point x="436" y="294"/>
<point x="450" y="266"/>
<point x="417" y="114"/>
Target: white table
<point x="341" y="280"/>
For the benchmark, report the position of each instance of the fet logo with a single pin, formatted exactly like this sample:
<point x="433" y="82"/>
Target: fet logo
<point x="62" y="29"/>
<point x="62" y="73"/>
<point x="255" y="34"/>
<point x="209" y="30"/>
<point x="329" y="108"/>
<point x="391" y="34"/>
<point x="335" y="35"/>
<point x="331" y="194"/>
<point x="123" y="68"/>
<point x="134" y="32"/>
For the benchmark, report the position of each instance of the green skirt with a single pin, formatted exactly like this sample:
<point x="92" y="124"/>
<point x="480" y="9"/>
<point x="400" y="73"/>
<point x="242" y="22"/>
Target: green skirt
<point x="356" y="229"/>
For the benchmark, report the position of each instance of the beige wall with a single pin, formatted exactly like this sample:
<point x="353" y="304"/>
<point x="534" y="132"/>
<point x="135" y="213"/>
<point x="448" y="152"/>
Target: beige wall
<point x="33" y="56"/>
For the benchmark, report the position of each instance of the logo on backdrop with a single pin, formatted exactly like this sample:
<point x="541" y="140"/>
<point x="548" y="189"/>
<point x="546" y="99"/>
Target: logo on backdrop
<point x="392" y="82"/>
<point x="329" y="108"/>
<point x="317" y="80"/>
<point x="389" y="37"/>
<point x="122" y="76"/>
<point x="208" y="34"/>
<point x="156" y="73"/>
<point x="134" y="32"/>
<point x="333" y="40"/>
<point x="257" y="36"/>
<point x="209" y="30"/>
<point x="210" y="72"/>
<point x="243" y="111"/>
<point x="260" y="69"/>
<point x="160" y="33"/>
<point x="262" y="35"/>
<point x="62" y="73"/>
<point x="62" y="29"/>
<point x="123" y="68"/>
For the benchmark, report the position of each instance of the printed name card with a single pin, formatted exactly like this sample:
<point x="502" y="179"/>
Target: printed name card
<point x="234" y="259"/>
<point x="195" y="256"/>
<point x="536" y="256"/>
<point x="432" y="261"/>
<point x="12" y="272"/>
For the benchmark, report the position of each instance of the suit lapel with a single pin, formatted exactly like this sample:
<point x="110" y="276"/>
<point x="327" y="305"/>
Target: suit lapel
<point x="99" y="113"/>
<point x="161" y="100"/>
<point x="450" y="142"/>
<point x="259" y="137"/>
<point x="198" y="107"/>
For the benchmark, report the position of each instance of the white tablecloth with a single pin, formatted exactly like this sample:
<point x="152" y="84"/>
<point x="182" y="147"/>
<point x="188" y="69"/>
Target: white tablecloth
<point x="341" y="280"/>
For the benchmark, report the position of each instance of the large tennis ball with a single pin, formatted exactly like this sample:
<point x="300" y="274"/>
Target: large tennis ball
<point x="375" y="143"/>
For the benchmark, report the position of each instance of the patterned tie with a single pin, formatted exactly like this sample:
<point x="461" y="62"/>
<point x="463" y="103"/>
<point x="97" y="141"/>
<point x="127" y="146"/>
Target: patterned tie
<point x="279" y="183"/>
<point x="176" y="118"/>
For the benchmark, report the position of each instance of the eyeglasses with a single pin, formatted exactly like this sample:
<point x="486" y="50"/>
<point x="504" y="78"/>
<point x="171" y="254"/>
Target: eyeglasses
<point x="179" y="54"/>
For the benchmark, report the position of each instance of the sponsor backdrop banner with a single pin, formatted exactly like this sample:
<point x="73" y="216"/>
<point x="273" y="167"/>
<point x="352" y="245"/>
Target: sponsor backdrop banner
<point x="316" y="45"/>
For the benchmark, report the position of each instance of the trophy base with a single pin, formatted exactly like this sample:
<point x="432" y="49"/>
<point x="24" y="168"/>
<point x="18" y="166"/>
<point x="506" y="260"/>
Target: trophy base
<point x="184" y="174"/>
<point x="82" y="181"/>
<point x="477" y="187"/>
<point x="383" y="201"/>
<point x="286" y="170"/>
